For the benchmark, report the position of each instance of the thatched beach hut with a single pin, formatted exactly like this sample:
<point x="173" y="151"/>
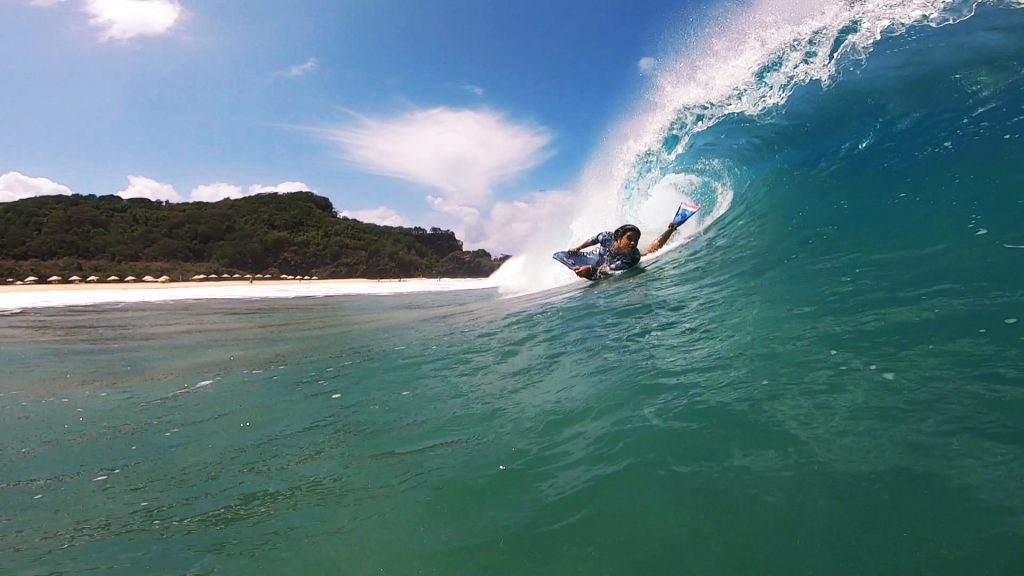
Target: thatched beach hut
<point x="54" y="279"/>
<point x="92" y="279"/>
<point x="164" y="279"/>
<point x="113" y="279"/>
<point x="75" y="279"/>
<point x="131" y="279"/>
<point x="30" y="280"/>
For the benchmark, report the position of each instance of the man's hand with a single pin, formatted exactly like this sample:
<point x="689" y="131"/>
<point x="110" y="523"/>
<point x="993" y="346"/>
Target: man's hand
<point x="585" y="272"/>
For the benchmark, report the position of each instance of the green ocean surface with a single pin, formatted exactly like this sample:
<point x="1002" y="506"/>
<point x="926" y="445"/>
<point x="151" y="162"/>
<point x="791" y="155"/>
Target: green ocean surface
<point x="829" y="379"/>
<point x="839" y="414"/>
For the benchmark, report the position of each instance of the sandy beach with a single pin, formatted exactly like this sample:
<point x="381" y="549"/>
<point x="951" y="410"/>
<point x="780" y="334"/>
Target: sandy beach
<point x="17" y="298"/>
<point x="82" y="286"/>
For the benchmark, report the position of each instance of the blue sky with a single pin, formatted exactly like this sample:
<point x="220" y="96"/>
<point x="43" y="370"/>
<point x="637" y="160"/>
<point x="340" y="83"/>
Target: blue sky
<point x="466" y="115"/>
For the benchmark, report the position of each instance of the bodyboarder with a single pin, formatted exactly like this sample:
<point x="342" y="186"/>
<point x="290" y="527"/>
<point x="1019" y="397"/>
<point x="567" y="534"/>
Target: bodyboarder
<point x="617" y="250"/>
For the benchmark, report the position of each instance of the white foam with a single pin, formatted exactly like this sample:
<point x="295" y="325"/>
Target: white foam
<point x="16" y="299"/>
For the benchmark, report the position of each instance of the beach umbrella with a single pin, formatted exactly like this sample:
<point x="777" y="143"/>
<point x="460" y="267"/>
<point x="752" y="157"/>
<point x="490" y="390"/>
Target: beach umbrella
<point x="10" y="280"/>
<point x="92" y="279"/>
<point x="148" y="278"/>
<point x="236" y="275"/>
<point x="31" y="279"/>
<point x="113" y="279"/>
<point x="314" y="278"/>
<point x="131" y="279"/>
<point x="74" y="279"/>
<point x="305" y="277"/>
<point x="54" y="279"/>
<point x="248" y="275"/>
<point x="212" y="277"/>
<point x="198" y="277"/>
<point x="164" y="279"/>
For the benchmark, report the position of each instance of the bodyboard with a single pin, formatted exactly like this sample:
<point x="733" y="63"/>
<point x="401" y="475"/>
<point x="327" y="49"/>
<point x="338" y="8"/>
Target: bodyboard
<point x="573" y="260"/>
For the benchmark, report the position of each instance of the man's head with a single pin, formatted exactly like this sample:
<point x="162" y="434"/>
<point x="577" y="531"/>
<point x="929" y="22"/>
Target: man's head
<point x="626" y="238"/>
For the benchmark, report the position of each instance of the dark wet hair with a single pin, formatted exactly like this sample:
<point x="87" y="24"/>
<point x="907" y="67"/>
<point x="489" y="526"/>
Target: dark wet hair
<point x="622" y="230"/>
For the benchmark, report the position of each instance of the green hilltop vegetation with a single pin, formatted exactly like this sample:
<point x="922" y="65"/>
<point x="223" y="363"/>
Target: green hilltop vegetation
<point x="297" y="233"/>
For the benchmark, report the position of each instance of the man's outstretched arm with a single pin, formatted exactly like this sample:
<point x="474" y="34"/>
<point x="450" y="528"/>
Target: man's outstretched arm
<point x="586" y="244"/>
<point x="660" y="241"/>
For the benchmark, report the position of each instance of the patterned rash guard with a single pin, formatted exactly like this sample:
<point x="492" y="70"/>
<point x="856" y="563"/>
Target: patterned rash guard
<point x="609" y="261"/>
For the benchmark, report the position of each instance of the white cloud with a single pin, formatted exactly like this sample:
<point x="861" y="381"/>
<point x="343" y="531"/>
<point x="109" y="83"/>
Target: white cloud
<point x="126" y="19"/>
<point x="214" y="192"/>
<point x="646" y="65"/>
<point x="47" y="2"/>
<point x="464" y="154"/>
<point x="466" y="221"/>
<point x="513" y="226"/>
<point x="307" y="67"/>
<point x="476" y="90"/>
<point x="507" y="227"/>
<point x="379" y="215"/>
<point x="282" y="187"/>
<point x="221" y="190"/>
<point x="15" y="186"/>
<point x="142" y="187"/>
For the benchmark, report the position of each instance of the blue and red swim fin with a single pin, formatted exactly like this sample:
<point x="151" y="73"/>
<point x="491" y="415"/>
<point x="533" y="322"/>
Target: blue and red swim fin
<point x="686" y="210"/>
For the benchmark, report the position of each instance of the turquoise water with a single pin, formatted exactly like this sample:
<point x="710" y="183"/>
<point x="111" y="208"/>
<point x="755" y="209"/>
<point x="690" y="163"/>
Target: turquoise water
<point x="829" y="379"/>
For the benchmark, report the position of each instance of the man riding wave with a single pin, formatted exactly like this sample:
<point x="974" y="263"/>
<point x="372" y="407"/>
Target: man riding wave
<point x="617" y="250"/>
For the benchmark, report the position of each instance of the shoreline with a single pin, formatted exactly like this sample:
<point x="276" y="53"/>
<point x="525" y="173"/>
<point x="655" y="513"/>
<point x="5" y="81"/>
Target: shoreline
<point x="14" y="299"/>
<point x="86" y="287"/>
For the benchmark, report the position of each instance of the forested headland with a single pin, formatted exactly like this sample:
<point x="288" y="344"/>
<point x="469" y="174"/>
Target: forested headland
<point x="297" y="233"/>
